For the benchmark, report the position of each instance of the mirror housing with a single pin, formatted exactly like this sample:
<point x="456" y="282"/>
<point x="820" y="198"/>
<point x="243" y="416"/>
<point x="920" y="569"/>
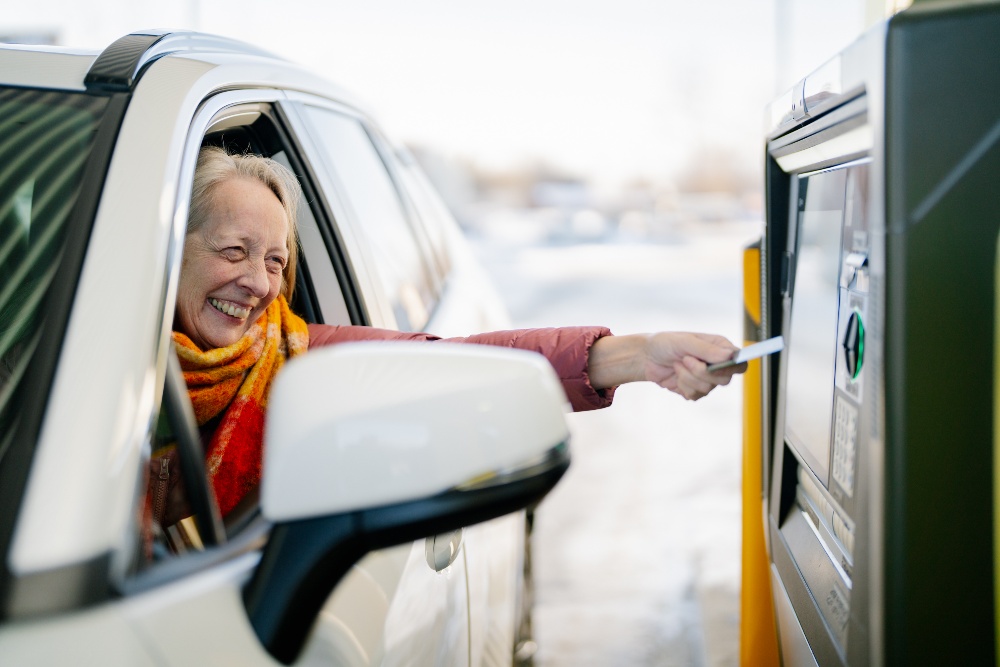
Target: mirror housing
<point x="370" y="445"/>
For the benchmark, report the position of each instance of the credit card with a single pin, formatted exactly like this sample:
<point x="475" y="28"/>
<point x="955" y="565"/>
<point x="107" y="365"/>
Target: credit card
<point x="755" y="351"/>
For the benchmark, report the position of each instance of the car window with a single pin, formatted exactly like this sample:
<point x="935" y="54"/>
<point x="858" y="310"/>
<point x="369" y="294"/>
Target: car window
<point x="380" y="212"/>
<point x="400" y="164"/>
<point x="45" y="140"/>
<point x="434" y="214"/>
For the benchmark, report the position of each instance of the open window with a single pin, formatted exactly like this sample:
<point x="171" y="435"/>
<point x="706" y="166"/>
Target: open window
<point x="180" y="515"/>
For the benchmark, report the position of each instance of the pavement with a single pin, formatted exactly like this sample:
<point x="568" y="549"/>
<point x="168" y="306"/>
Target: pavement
<point x="637" y="551"/>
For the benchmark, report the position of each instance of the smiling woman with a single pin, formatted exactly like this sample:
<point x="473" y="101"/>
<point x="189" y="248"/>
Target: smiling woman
<point x="237" y="255"/>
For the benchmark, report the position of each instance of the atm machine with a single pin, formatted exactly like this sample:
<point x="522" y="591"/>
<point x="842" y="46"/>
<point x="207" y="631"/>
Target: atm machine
<point x="878" y="266"/>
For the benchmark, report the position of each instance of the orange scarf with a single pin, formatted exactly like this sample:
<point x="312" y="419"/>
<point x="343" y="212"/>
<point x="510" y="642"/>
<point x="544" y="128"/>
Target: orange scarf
<point x="234" y="382"/>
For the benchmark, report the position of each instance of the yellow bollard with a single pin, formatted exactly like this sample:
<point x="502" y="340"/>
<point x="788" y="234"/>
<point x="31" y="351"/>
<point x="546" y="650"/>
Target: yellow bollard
<point x="996" y="455"/>
<point x="758" y="634"/>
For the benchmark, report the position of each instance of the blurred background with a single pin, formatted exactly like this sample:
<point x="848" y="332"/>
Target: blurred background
<point x="605" y="158"/>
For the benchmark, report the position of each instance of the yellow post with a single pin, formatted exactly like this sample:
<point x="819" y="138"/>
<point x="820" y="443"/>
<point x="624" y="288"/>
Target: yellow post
<point x="996" y="453"/>
<point x="758" y="635"/>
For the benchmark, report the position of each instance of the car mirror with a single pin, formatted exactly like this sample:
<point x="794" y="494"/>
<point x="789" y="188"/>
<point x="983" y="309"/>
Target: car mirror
<point x="369" y="445"/>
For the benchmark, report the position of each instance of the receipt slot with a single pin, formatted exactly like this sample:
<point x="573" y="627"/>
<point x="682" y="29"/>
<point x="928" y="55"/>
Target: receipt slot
<point x="878" y="268"/>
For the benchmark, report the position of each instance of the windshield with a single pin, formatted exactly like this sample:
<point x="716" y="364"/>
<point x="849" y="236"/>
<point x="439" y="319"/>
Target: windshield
<point x="45" y="140"/>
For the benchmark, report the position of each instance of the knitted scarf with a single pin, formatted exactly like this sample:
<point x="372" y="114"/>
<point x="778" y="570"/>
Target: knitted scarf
<point x="232" y="384"/>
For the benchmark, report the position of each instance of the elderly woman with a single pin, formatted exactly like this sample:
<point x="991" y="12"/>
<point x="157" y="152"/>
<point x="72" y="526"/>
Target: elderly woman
<point x="234" y="329"/>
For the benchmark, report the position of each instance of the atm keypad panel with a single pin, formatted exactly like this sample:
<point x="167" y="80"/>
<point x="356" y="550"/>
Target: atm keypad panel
<point x="845" y="444"/>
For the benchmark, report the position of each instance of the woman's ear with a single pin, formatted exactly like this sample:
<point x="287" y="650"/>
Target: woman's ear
<point x="288" y="283"/>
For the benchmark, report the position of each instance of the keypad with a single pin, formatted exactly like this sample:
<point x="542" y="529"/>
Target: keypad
<point x="845" y="444"/>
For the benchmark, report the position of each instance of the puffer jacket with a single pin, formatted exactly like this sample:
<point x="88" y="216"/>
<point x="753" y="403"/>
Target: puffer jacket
<point x="566" y="348"/>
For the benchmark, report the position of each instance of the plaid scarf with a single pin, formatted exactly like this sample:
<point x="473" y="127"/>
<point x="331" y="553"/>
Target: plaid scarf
<point x="232" y="384"/>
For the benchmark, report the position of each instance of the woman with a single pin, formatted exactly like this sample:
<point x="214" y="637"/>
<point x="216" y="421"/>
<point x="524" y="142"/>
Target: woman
<point x="233" y="327"/>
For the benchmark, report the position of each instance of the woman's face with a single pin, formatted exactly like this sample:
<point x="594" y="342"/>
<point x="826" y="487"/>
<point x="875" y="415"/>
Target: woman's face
<point x="233" y="264"/>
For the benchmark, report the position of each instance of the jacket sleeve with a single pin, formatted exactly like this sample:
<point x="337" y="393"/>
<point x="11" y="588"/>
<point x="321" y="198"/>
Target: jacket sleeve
<point x="566" y="348"/>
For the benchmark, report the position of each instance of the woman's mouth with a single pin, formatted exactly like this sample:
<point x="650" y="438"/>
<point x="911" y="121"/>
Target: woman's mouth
<point x="230" y="308"/>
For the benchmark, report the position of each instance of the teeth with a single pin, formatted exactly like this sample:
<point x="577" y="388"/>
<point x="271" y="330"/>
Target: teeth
<point x="230" y="309"/>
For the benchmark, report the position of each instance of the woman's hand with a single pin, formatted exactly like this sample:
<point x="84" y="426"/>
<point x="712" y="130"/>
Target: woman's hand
<point x="674" y="360"/>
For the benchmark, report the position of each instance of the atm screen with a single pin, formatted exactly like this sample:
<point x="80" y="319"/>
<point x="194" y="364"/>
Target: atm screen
<point x="812" y="341"/>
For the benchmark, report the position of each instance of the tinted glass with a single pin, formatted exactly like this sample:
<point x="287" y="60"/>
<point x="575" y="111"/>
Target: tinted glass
<point x="45" y="140"/>
<point x="433" y="212"/>
<point x="372" y="195"/>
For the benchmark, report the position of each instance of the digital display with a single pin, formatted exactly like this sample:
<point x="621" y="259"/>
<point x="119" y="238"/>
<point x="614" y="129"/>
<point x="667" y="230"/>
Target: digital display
<point x="812" y="339"/>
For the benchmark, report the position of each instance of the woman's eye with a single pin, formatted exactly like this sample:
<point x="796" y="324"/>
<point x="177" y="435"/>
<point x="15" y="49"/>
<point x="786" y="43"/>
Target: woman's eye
<point x="234" y="254"/>
<point x="275" y="264"/>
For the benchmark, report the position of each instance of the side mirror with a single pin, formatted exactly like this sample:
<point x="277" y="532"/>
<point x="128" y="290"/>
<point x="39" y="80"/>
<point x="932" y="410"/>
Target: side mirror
<point x="370" y="445"/>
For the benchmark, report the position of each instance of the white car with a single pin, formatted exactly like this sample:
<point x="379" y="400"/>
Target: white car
<point x="406" y="550"/>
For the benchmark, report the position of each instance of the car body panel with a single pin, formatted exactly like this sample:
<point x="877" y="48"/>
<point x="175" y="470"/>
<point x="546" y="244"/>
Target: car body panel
<point x="101" y="637"/>
<point x="165" y="618"/>
<point x="440" y="606"/>
<point x="494" y="598"/>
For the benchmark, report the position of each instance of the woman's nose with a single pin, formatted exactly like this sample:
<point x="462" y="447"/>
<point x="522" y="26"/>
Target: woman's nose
<point x="254" y="278"/>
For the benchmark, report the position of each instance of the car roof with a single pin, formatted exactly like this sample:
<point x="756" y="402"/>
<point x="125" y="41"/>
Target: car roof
<point x="45" y="66"/>
<point x="120" y="66"/>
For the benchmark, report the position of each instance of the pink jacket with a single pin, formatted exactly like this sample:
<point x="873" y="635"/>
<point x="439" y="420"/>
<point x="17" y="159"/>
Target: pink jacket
<point x="566" y="348"/>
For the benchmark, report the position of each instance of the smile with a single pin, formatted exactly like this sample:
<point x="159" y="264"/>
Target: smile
<point x="230" y="309"/>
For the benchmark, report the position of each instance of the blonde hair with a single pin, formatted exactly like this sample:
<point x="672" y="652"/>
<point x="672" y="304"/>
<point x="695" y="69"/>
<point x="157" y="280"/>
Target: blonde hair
<point x="216" y="165"/>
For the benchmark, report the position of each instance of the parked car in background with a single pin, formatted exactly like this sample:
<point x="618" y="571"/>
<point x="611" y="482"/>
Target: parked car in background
<point x="97" y="154"/>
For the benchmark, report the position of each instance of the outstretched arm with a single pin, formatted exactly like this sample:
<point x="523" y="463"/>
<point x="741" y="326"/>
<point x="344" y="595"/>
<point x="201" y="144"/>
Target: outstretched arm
<point x="674" y="360"/>
<point x="590" y="362"/>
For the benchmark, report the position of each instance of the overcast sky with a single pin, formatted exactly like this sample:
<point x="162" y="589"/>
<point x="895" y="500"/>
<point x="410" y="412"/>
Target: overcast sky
<point x="610" y="90"/>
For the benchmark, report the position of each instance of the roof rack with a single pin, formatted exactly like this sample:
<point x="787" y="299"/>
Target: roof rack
<point x="120" y="65"/>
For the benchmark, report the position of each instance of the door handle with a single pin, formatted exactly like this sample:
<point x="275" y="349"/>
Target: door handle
<point x="442" y="550"/>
